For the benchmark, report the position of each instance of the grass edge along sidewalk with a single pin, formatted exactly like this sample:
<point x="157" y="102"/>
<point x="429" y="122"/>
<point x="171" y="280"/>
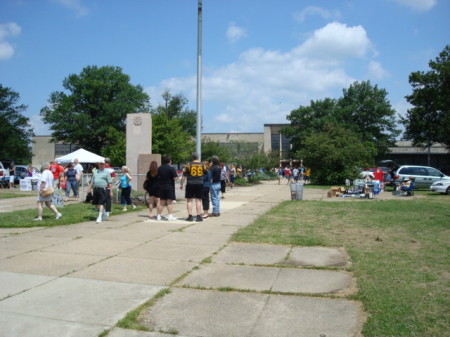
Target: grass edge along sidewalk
<point x="72" y="214"/>
<point x="399" y="251"/>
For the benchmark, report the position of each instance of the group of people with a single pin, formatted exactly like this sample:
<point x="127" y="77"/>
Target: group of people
<point x="293" y="174"/>
<point x="202" y="181"/>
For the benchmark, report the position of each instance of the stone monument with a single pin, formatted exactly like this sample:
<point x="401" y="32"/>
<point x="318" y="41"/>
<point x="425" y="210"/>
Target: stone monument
<point x="139" y="147"/>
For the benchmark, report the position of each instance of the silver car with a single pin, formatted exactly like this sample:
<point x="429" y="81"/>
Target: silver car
<point x="441" y="186"/>
<point x="424" y="176"/>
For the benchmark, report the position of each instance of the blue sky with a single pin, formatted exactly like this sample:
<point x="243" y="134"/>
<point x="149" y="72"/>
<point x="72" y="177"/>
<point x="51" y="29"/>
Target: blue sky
<point x="261" y="58"/>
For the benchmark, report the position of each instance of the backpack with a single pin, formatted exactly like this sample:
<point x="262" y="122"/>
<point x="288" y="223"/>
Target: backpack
<point x="146" y="185"/>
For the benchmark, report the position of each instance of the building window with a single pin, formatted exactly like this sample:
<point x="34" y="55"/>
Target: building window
<point x="275" y="142"/>
<point x="285" y="145"/>
<point x="62" y="149"/>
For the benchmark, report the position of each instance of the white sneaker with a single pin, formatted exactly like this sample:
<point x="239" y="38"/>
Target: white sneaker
<point x="134" y="206"/>
<point x="58" y="216"/>
<point x="158" y="217"/>
<point x="37" y="219"/>
<point x="99" y="219"/>
<point x="171" y="218"/>
<point x="107" y="214"/>
<point x="104" y="216"/>
<point x="124" y="210"/>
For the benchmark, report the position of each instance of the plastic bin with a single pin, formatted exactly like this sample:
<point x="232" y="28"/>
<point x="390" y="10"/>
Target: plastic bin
<point x="296" y="191"/>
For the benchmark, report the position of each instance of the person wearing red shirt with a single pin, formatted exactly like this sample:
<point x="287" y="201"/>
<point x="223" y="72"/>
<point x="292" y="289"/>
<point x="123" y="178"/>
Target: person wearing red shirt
<point x="378" y="175"/>
<point x="57" y="171"/>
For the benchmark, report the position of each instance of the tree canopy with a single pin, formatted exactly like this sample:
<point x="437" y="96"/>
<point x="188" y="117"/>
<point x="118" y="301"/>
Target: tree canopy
<point x="362" y="115"/>
<point x="97" y="99"/>
<point x="176" y="106"/>
<point x="15" y="130"/>
<point x="428" y="121"/>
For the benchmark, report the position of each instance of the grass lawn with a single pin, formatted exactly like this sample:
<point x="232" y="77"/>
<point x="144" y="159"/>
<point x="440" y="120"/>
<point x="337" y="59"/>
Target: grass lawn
<point x="399" y="251"/>
<point x="72" y="213"/>
<point x="15" y="193"/>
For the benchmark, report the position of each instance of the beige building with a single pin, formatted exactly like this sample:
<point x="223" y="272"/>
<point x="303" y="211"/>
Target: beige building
<point x="44" y="150"/>
<point x="271" y="139"/>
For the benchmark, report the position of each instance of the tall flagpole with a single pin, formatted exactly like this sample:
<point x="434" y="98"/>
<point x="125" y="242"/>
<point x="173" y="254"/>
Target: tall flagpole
<point x="199" y="82"/>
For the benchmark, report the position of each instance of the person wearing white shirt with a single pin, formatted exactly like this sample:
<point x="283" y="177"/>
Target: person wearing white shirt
<point x="45" y="180"/>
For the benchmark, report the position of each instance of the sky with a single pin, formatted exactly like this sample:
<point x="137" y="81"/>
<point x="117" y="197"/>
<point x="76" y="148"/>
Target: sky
<point x="261" y="59"/>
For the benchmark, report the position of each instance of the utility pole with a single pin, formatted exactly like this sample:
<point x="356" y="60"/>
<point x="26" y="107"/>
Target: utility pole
<point x="199" y="82"/>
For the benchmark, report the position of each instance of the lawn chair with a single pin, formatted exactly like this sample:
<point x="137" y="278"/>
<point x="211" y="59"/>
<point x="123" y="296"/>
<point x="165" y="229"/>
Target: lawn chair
<point x="408" y="191"/>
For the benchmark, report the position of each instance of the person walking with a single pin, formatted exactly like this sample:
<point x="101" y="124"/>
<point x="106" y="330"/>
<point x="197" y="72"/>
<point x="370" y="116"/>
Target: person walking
<point x="232" y="175"/>
<point x="224" y="177"/>
<point x="279" y="172"/>
<point x="79" y="168"/>
<point x="296" y="172"/>
<point x="109" y="193"/>
<point x="71" y="177"/>
<point x="215" y="185"/>
<point x="101" y="183"/>
<point x="151" y="185"/>
<point x="206" y="188"/>
<point x="125" y="189"/>
<point x="167" y="176"/>
<point x="12" y="175"/>
<point x="193" y="174"/>
<point x="45" y="181"/>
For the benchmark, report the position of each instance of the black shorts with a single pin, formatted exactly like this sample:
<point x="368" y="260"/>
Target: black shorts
<point x="167" y="194"/>
<point x="194" y="191"/>
<point x="99" y="196"/>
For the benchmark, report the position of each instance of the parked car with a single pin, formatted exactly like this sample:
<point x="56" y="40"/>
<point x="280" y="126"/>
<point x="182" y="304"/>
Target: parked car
<point x="424" y="176"/>
<point x="441" y="186"/>
<point x="21" y="172"/>
<point x="4" y="175"/>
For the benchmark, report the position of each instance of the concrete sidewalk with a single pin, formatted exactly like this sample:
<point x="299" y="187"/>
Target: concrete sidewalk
<point x="80" y="280"/>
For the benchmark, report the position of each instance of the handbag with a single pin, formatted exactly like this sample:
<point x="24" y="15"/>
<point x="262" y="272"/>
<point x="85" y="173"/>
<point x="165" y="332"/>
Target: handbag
<point x="47" y="191"/>
<point x="89" y="198"/>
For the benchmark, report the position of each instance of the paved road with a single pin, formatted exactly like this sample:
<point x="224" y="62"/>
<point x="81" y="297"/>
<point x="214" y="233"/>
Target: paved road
<point x="80" y="280"/>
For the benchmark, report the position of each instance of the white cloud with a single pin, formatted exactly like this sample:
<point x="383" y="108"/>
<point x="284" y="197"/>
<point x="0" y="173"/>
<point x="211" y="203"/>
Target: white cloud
<point x="38" y="126"/>
<point x="8" y="30"/>
<point x="418" y="5"/>
<point x="235" y="33"/>
<point x="337" y="41"/>
<point x="313" y="10"/>
<point x="263" y="86"/>
<point x="74" y="5"/>
<point x="377" y="71"/>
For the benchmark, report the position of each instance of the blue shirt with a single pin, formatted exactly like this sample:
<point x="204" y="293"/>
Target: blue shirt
<point x="124" y="181"/>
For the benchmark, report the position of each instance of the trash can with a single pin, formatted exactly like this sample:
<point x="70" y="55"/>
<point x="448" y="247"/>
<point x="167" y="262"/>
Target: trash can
<point x="296" y="191"/>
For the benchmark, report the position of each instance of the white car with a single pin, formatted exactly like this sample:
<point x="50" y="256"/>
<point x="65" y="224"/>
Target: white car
<point x="441" y="186"/>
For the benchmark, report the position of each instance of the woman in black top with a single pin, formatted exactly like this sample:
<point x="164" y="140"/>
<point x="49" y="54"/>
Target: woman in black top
<point x="151" y="185"/>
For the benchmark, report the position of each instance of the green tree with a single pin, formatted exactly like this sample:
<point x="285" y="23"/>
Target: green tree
<point x="168" y="138"/>
<point x="15" y="130"/>
<point x="116" y="150"/>
<point x="365" y="110"/>
<point x="95" y="100"/>
<point x="307" y="120"/>
<point x="177" y="107"/>
<point x="335" y="154"/>
<point x="211" y="148"/>
<point x="428" y="121"/>
<point x="261" y="159"/>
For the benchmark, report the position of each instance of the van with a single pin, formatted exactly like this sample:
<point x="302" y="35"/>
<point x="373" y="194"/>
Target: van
<point x="424" y="176"/>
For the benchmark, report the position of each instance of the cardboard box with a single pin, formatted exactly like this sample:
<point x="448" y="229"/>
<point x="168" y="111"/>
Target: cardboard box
<point x="335" y="191"/>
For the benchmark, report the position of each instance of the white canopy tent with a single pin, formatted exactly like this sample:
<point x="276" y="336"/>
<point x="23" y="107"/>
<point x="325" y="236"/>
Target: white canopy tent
<point x="83" y="156"/>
